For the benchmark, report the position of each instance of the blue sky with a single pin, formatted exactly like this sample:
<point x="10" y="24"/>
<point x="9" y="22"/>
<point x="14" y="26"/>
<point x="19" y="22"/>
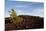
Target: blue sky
<point x="25" y="8"/>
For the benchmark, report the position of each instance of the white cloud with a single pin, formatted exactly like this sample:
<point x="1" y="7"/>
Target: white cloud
<point x="35" y="12"/>
<point x="38" y="12"/>
<point x="19" y="12"/>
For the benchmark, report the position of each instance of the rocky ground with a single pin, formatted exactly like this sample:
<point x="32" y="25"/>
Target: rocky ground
<point x="29" y="22"/>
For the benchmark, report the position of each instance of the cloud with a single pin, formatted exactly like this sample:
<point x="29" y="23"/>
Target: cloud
<point x="38" y="12"/>
<point x="25" y="8"/>
<point x="35" y="12"/>
<point x="19" y="12"/>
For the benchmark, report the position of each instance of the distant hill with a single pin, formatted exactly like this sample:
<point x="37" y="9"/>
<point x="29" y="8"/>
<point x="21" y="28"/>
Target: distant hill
<point x="29" y="22"/>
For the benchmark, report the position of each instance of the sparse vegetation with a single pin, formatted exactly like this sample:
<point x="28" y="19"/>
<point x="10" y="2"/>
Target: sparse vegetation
<point x="14" y="18"/>
<point x="23" y="21"/>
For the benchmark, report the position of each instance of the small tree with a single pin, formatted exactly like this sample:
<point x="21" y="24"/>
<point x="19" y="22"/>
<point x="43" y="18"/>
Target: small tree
<point x="14" y="18"/>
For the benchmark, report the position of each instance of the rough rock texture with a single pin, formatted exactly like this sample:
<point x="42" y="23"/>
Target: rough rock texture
<point x="29" y="22"/>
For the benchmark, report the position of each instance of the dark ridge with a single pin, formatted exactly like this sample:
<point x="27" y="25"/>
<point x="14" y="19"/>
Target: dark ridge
<point x="29" y="22"/>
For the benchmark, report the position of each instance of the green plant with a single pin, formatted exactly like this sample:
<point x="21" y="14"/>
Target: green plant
<point x="14" y="18"/>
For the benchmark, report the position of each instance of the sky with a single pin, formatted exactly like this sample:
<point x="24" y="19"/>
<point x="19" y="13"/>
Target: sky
<point x="29" y="0"/>
<point x="25" y="8"/>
